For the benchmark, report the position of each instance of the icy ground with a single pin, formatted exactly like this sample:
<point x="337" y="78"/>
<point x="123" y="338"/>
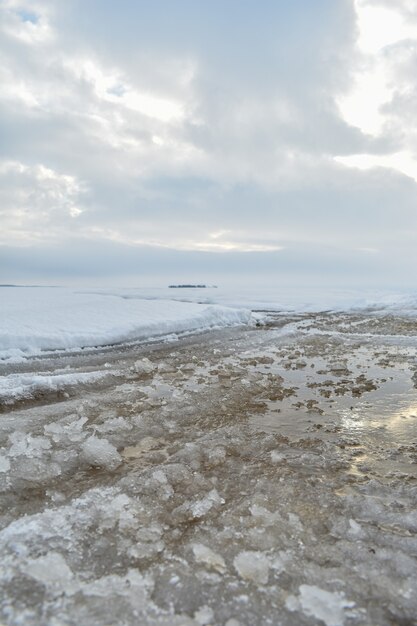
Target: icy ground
<point x="240" y="477"/>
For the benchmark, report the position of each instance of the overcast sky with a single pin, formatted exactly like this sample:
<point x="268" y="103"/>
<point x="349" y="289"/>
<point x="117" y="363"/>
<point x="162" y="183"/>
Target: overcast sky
<point x="183" y="139"/>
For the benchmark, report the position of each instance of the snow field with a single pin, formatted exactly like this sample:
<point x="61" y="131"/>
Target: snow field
<point x="33" y="320"/>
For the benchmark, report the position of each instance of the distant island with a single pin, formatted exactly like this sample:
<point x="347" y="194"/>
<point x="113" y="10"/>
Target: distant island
<point x="192" y="286"/>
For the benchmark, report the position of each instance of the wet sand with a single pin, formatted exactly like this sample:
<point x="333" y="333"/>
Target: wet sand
<point x="247" y="476"/>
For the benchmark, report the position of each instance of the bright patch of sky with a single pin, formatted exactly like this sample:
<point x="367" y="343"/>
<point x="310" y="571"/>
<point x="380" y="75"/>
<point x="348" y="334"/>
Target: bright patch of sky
<point x="403" y="162"/>
<point x="386" y="40"/>
<point x="27" y="16"/>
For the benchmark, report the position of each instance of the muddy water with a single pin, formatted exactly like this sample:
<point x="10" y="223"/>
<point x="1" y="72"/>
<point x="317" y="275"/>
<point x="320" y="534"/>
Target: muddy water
<point x="251" y="476"/>
<point x="368" y="398"/>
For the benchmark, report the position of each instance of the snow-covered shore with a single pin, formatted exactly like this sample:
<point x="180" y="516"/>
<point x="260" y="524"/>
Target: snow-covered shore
<point x="239" y="478"/>
<point x="33" y="320"/>
<point x="38" y="319"/>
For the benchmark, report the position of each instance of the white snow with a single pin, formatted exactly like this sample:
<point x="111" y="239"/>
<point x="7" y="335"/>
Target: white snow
<point x="37" y="319"/>
<point x="19" y="386"/>
<point x="285" y="298"/>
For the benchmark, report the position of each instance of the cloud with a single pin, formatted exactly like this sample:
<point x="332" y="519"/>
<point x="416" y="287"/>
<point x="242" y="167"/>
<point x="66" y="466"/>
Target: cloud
<point x="27" y="22"/>
<point x="34" y="200"/>
<point x="206" y="128"/>
<point x="381" y="100"/>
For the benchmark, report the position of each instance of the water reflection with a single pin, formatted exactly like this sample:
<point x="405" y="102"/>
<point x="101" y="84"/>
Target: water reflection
<point x="352" y="420"/>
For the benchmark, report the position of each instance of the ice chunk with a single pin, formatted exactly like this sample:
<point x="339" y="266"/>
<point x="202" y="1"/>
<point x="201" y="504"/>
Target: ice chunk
<point x="196" y="509"/>
<point x="35" y="470"/>
<point x="4" y="463"/>
<point x="160" y="477"/>
<point x="133" y="586"/>
<point x="278" y="563"/>
<point x="26" y="445"/>
<point x="205" y="555"/>
<point x="265" y="516"/>
<point x="144" y="367"/>
<point x="295" y="521"/>
<point x="215" y="456"/>
<point x="160" y="392"/>
<point x="100" y="452"/>
<point x="277" y="457"/>
<point x="67" y="431"/>
<point x="323" y="605"/>
<point x="51" y="570"/>
<point x="204" y="615"/>
<point x="203" y="506"/>
<point x="167" y="368"/>
<point x="355" y="528"/>
<point x="115" y="424"/>
<point x="253" y="566"/>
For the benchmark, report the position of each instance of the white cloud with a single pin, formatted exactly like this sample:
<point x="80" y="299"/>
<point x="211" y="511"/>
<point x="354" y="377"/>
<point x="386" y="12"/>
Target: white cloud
<point x="112" y="86"/>
<point x="403" y="162"/>
<point x="35" y="199"/>
<point x="362" y="106"/>
<point x="380" y="26"/>
<point x="374" y="82"/>
<point x="26" y="21"/>
<point x="179" y="131"/>
<point x="229" y="246"/>
<point x="383" y="85"/>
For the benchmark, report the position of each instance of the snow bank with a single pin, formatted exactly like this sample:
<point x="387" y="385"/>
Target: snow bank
<point x="37" y="319"/>
<point x="19" y="386"/>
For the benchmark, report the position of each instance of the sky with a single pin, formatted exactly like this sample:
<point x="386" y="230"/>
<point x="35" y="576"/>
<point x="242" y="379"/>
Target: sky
<point x="208" y="140"/>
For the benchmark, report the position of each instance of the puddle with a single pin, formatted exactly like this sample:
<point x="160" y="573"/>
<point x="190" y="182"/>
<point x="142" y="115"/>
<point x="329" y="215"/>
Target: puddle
<point x="382" y="421"/>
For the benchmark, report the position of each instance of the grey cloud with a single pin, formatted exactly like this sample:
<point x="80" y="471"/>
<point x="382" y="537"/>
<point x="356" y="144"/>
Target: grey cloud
<point x="251" y="155"/>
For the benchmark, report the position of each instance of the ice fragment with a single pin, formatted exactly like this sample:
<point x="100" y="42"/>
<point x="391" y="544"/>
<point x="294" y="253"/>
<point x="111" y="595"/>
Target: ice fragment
<point x="204" y="615"/>
<point x="205" y="555"/>
<point x="144" y="367"/>
<point x="4" y="464"/>
<point x="100" y="452"/>
<point x="252" y="566"/>
<point x="323" y="605"/>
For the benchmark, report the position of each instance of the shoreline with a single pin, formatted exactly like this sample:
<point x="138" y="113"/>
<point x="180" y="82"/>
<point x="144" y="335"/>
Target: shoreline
<point x="242" y="474"/>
